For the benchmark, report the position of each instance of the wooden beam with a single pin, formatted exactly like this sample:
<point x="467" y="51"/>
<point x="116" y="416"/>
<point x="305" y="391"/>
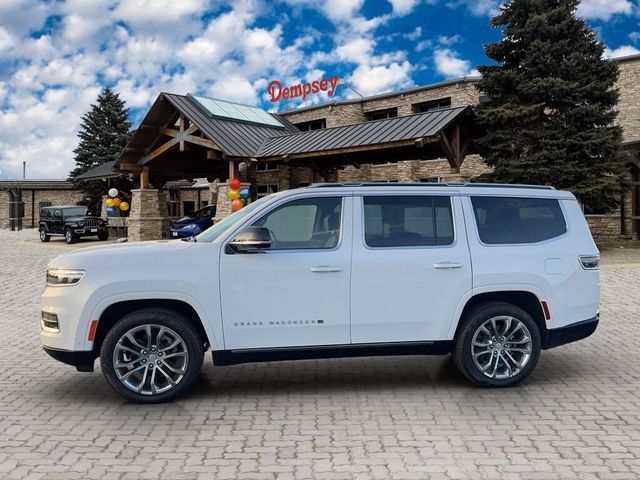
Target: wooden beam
<point x="144" y="178"/>
<point x="159" y="151"/>
<point x="203" y="142"/>
<point x="130" y="167"/>
<point x="181" y="125"/>
<point x="448" y="151"/>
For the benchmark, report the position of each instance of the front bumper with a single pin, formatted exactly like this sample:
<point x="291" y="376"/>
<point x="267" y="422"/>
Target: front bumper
<point x="571" y="333"/>
<point x="83" y="361"/>
<point x="90" y="230"/>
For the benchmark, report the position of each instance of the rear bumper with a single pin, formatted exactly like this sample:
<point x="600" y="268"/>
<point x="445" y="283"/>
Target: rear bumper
<point x="571" y="333"/>
<point x="83" y="361"/>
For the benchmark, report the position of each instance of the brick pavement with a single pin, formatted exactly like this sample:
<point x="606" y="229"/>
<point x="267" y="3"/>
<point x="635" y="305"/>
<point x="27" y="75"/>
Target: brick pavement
<point x="578" y="416"/>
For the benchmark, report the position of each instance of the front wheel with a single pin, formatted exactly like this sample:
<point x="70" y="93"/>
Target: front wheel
<point x="102" y="236"/>
<point x="70" y="236"/>
<point x="498" y="345"/>
<point x="152" y="355"/>
<point x="44" y="236"/>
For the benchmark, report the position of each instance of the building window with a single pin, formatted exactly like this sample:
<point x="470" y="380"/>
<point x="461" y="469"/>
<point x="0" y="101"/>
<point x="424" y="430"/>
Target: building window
<point x="266" y="167"/>
<point x="264" y="190"/>
<point x="188" y="207"/>
<point x="382" y="114"/>
<point x="318" y="124"/>
<point x="430" y="180"/>
<point x="432" y="105"/>
<point x="174" y="202"/>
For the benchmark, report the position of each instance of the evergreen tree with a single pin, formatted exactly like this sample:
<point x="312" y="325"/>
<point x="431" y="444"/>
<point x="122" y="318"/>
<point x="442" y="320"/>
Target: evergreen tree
<point x="104" y="132"/>
<point x="552" y="104"/>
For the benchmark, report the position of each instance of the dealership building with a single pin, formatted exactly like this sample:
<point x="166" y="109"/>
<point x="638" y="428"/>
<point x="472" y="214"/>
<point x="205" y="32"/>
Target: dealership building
<point x="189" y="146"/>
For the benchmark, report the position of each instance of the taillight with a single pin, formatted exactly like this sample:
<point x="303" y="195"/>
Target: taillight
<point x="590" y="262"/>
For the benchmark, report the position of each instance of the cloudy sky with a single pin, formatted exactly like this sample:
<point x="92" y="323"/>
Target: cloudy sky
<point x="56" y="55"/>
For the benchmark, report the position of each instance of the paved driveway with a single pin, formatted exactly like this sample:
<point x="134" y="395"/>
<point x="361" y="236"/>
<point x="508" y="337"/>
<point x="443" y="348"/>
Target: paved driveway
<point x="578" y="416"/>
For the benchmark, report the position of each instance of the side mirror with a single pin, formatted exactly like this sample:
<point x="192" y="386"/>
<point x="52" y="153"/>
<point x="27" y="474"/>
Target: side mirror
<point x="251" y="240"/>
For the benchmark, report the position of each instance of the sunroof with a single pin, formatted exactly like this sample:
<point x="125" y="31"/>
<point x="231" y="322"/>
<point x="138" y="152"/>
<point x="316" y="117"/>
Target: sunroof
<point x="235" y="111"/>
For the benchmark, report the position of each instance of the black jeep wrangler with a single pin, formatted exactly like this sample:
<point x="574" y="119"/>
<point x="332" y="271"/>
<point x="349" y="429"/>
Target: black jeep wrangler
<point x="71" y="221"/>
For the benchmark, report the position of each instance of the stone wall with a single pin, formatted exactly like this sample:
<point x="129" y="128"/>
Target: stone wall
<point x="4" y="209"/>
<point x="56" y="197"/>
<point x="629" y="101"/>
<point x="149" y="219"/>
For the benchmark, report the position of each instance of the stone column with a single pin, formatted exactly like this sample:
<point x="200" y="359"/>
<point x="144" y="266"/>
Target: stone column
<point x="223" y="205"/>
<point x="149" y="218"/>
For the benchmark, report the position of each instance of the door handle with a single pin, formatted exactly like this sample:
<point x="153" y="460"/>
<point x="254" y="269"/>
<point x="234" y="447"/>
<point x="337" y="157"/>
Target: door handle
<point x="325" y="269"/>
<point x="447" y="265"/>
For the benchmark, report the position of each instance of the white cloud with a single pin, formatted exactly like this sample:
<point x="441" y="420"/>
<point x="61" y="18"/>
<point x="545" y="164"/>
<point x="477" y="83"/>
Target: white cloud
<point x="403" y="7"/>
<point x="6" y="40"/>
<point x="450" y="65"/>
<point x="622" y="51"/>
<point x="414" y="34"/>
<point x="478" y="7"/>
<point x="604" y="9"/>
<point x="341" y="10"/>
<point x="370" y="79"/>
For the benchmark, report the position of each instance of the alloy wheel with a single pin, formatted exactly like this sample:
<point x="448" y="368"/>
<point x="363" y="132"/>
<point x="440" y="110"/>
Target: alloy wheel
<point x="501" y="347"/>
<point x="150" y="359"/>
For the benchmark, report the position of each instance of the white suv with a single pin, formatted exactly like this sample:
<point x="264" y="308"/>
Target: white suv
<point x="491" y="274"/>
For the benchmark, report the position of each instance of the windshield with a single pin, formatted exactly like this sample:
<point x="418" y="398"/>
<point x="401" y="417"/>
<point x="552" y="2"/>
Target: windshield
<point x="210" y="234"/>
<point x="75" y="212"/>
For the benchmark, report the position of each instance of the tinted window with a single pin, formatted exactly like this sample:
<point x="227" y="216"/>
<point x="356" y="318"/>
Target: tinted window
<point x="517" y="220"/>
<point x="303" y="224"/>
<point x="75" y="212"/>
<point x="407" y="221"/>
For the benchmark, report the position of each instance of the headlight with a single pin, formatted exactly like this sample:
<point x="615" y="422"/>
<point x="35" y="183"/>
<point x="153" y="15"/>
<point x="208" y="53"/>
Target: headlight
<point x="57" y="277"/>
<point x="190" y="226"/>
<point x="81" y="223"/>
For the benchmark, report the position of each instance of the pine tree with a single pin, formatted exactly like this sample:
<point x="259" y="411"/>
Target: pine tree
<point x="552" y="104"/>
<point x="104" y="132"/>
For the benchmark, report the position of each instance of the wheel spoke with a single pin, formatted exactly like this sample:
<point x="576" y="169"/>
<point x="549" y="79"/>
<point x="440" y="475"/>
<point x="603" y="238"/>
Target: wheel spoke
<point x="149" y="341"/>
<point x="520" y="341"/>
<point x="518" y="327"/>
<point x="131" y="372"/>
<point x="487" y="365"/>
<point x="127" y="349"/>
<point x="144" y="379"/>
<point x="181" y="371"/>
<point x="154" y="388"/>
<point x="133" y="340"/>
<point x="507" y="321"/>
<point x="175" y="354"/>
<point x="126" y="364"/>
<point x="515" y="362"/>
<point x="169" y="379"/>
<point x="522" y="350"/>
<point x="173" y="345"/>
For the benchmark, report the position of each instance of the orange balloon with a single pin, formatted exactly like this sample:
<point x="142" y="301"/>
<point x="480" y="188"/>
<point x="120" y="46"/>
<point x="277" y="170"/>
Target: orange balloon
<point x="117" y="202"/>
<point x="236" y="205"/>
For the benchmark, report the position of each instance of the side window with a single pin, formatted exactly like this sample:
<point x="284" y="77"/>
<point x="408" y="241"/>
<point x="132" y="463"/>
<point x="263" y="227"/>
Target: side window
<point x="504" y="220"/>
<point x="406" y="221"/>
<point x="57" y="213"/>
<point x="308" y="223"/>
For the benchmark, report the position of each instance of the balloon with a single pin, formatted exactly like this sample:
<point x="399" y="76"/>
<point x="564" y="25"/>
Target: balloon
<point x="234" y="194"/>
<point x="124" y="206"/>
<point x="244" y="193"/>
<point x="236" y="205"/>
<point x="113" y="192"/>
<point x="111" y="211"/>
<point x="234" y="184"/>
<point x="109" y="202"/>
<point x="117" y="202"/>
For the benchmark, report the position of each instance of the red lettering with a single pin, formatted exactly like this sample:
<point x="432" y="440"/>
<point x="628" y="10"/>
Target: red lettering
<point x="295" y="91"/>
<point x="306" y="90"/>
<point x="315" y="88"/>
<point x="274" y="89"/>
<point x="323" y="85"/>
<point x="333" y="82"/>
<point x="285" y="92"/>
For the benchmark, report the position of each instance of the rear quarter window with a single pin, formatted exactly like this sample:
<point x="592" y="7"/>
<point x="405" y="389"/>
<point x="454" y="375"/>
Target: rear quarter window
<point x="513" y="220"/>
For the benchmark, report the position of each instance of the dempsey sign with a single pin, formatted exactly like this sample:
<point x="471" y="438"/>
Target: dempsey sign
<point x="277" y="92"/>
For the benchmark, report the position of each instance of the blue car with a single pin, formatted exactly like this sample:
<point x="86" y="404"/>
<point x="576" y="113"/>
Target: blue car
<point x="194" y="224"/>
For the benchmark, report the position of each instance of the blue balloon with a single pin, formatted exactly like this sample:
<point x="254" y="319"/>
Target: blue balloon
<point x="244" y="193"/>
<point x="111" y="211"/>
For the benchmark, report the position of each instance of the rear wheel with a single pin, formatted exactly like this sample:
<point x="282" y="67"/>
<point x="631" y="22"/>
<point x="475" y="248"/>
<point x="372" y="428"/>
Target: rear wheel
<point x="70" y="236"/>
<point x="44" y="236"/>
<point x="498" y="345"/>
<point x="152" y="355"/>
<point x="102" y="236"/>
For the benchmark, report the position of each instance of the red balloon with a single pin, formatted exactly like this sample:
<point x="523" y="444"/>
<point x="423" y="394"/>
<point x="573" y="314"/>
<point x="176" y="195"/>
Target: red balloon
<point x="234" y="184"/>
<point x="236" y="205"/>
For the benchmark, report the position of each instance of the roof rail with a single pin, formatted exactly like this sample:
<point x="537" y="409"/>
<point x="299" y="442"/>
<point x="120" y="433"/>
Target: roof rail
<point x="426" y="184"/>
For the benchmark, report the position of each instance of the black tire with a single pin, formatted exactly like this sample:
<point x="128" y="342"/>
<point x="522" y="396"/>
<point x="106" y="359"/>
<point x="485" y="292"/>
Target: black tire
<point x="44" y="236"/>
<point x="70" y="236"/>
<point x="102" y="236"/>
<point x="165" y="318"/>
<point x="462" y="350"/>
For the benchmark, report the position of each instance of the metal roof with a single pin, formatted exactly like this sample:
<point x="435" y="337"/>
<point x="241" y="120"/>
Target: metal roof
<point x="235" y="138"/>
<point x="391" y="130"/>
<point x="43" y="184"/>
<point x="101" y="171"/>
